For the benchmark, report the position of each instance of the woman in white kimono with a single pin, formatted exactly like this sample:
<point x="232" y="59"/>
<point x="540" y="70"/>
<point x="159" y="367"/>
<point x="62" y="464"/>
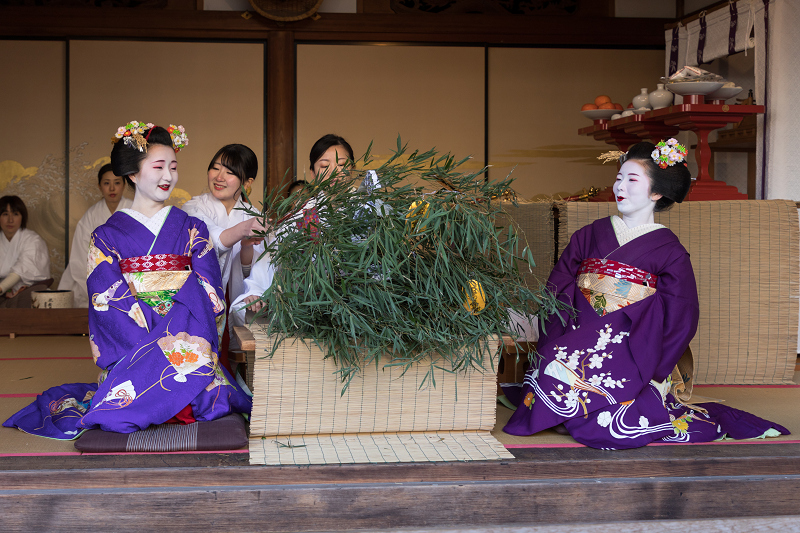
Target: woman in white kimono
<point x="24" y="259"/>
<point x="330" y="153"/>
<point x="74" y="278"/>
<point x="232" y="168"/>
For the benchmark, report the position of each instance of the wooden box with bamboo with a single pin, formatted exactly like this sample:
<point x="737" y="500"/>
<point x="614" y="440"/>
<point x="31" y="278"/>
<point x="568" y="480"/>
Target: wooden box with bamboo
<point x="300" y="415"/>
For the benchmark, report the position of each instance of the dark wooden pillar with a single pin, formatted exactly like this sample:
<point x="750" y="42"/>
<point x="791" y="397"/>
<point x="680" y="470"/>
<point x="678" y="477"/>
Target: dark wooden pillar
<point x="280" y="107"/>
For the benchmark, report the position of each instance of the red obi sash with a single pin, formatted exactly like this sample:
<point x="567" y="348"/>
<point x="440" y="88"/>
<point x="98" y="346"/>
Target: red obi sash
<point x="155" y="263"/>
<point x="619" y="271"/>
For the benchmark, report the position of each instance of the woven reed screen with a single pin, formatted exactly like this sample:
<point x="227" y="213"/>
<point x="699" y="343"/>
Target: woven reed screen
<point x="300" y="415"/>
<point x="534" y="224"/>
<point x="746" y="260"/>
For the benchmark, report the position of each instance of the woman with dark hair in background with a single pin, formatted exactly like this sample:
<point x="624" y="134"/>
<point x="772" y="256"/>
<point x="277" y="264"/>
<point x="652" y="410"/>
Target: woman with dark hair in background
<point x="234" y="167"/>
<point x="331" y="153"/>
<point x="112" y="188"/>
<point x="608" y="373"/>
<point x="24" y="259"/>
<point x="157" y="310"/>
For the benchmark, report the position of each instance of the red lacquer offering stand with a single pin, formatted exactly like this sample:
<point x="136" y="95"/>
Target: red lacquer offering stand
<point x="693" y="114"/>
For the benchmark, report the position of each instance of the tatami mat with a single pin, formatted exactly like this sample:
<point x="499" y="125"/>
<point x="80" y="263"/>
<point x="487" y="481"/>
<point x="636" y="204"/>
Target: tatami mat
<point x="29" y="365"/>
<point x="14" y="441"/>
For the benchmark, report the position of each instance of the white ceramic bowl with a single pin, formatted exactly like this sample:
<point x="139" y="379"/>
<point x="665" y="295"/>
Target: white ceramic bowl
<point x="615" y="117"/>
<point x="694" y="87"/>
<point x="641" y="110"/>
<point x="723" y="93"/>
<point x="599" y="114"/>
<point x="627" y="113"/>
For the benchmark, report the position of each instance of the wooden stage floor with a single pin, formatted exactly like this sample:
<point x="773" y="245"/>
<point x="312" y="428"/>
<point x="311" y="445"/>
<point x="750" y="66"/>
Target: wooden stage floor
<point x="541" y="485"/>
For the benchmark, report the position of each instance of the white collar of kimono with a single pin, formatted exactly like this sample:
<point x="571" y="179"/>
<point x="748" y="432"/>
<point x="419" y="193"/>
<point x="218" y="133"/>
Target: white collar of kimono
<point x="153" y="223"/>
<point x="625" y="234"/>
<point x="17" y="238"/>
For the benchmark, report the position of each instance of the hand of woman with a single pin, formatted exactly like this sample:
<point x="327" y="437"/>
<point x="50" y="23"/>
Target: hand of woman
<point x="254" y="226"/>
<point x="249" y="243"/>
<point x="242" y="231"/>
<point x="11" y="294"/>
<point x="257" y="306"/>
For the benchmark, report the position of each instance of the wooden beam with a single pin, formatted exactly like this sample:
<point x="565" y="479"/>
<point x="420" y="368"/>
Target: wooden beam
<point x="121" y="23"/>
<point x="44" y="321"/>
<point x="375" y="506"/>
<point x="280" y="108"/>
<point x="246" y="340"/>
<point x="542" y="485"/>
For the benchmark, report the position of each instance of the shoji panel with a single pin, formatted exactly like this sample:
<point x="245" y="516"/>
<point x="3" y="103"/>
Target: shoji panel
<point x="32" y="139"/>
<point x="535" y="97"/>
<point x="430" y="95"/>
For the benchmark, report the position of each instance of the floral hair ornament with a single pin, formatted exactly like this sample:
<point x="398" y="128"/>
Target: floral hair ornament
<point x="669" y="152"/>
<point x="613" y="155"/>
<point x="179" y="138"/>
<point x="131" y="134"/>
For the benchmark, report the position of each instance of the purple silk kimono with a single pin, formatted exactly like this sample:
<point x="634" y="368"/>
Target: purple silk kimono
<point x="154" y="331"/>
<point x="603" y="373"/>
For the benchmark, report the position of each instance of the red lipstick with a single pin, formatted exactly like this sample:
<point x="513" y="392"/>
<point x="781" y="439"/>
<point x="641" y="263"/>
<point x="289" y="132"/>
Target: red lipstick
<point x="164" y="187"/>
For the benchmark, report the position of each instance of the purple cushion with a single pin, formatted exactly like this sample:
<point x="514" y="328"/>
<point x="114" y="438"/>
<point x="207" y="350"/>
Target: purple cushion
<point x="226" y="433"/>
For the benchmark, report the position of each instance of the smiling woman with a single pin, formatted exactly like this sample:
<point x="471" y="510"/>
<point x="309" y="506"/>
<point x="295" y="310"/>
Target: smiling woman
<point x="157" y="310"/>
<point x="233" y="168"/>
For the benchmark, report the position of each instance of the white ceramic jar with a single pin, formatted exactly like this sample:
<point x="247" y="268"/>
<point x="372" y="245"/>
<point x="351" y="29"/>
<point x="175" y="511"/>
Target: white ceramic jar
<point x="660" y="97"/>
<point x="642" y="99"/>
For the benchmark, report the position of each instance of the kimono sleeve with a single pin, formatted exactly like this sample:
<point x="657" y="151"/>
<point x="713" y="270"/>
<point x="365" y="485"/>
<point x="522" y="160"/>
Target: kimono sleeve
<point x="562" y="282"/>
<point x="117" y="321"/>
<point x="33" y="263"/>
<point x="677" y="290"/>
<point x="74" y="277"/>
<point x="195" y="208"/>
<point x="205" y="265"/>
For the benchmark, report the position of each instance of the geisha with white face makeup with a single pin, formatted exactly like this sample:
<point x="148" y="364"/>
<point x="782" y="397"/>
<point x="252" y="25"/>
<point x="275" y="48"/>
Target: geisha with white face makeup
<point x="156" y="309"/>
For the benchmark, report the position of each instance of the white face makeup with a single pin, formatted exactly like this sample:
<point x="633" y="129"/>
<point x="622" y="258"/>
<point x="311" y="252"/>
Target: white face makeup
<point x="632" y="193"/>
<point x="111" y="187"/>
<point x="335" y="157"/>
<point x="158" y="175"/>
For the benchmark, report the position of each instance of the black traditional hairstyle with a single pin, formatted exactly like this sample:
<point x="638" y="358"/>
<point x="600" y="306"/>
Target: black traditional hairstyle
<point x="127" y="160"/>
<point x="325" y="142"/>
<point x="107" y="168"/>
<point x="237" y="158"/>
<point x="672" y="183"/>
<point x="15" y="205"/>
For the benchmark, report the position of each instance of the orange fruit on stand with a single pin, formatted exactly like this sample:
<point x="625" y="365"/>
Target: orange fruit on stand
<point x="606" y="105"/>
<point x="602" y="99"/>
<point x="588" y="107"/>
<point x="618" y="106"/>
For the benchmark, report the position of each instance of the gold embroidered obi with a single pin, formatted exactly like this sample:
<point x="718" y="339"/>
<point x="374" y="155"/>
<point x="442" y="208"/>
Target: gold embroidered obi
<point x="155" y="279"/>
<point x="610" y="285"/>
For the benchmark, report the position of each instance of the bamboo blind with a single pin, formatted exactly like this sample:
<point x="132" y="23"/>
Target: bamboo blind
<point x="535" y="226"/>
<point x="300" y="415"/>
<point x="746" y="260"/>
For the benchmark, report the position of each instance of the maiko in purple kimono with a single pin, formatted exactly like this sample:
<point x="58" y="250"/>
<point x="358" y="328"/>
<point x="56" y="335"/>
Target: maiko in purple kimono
<point x="606" y="373"/>
<point x="155" y="319"/>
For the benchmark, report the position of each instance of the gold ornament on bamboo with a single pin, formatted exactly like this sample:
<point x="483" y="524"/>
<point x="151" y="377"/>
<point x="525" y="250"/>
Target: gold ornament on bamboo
<point x="417" y="211"/>
<point x="476" y="300"/>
